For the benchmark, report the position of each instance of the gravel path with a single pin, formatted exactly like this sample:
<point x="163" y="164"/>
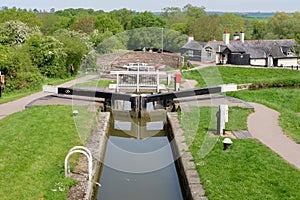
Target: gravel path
<point x="263" y="125"/>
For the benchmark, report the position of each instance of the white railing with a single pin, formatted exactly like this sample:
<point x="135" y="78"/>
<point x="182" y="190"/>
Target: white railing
<point x="87" y="153"/>
<point x="138" y="79"/>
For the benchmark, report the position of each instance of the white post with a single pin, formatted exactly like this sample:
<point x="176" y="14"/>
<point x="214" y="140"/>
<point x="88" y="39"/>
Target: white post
<point x="138" y="81"/>
<point x="157" y="81"/>
<point x="117" y="88"/>
<point x="222" y="118"/>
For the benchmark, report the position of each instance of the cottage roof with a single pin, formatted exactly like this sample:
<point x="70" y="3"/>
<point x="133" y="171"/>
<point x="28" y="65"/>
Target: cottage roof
<point x="194" y="45"/>
<point x="256" y="48"/>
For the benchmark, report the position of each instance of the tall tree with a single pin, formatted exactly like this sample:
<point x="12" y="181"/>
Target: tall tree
<point x="13" y="14"/>
<point x="123" y="16"/>
<point x="104" y="22"/>
<point x="146" y="19"/>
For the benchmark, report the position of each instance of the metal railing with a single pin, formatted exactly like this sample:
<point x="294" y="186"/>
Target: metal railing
<point x="85" y="151"/>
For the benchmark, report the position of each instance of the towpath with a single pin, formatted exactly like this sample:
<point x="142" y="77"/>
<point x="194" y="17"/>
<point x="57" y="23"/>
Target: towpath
<point x="19" y="105"/>
<point x="263" y="125"/>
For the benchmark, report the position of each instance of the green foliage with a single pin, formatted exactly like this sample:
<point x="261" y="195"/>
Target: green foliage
<point x="104" y="22"/>
<point x="76" y="46"/>
<point x="123" y="16"/>
<point x="97" y="37"/>
<point x="15" y="33"/>
<point x="47" y="53"/>
<point x="51" y="23"/>
<point x="84" y="24"/>
<point x="15" y="64"/>
<point x="27" y="17"/>
<point x="33" y="156"/>
<point x="206" y="28"/>
<point x="146" y="19"/>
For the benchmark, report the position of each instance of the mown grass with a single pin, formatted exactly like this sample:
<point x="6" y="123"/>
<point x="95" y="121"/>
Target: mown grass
<point x="14" y="95"/>
<point x="286" y="101"/>
<point x="249" y="171"/>
<point x="96" y="83"/>
<point x="33" y="147"/>
<point x="216" y="75"/>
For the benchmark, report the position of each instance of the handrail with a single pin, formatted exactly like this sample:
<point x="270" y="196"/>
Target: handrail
<point x="87" y="153"/>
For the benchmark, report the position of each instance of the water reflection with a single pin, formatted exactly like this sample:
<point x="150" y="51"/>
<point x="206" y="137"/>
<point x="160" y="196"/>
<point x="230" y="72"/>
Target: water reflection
<point x="139" y="162"/>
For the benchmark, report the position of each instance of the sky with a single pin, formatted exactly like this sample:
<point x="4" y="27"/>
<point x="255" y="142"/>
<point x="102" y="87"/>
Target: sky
<point x="157" y="5"/>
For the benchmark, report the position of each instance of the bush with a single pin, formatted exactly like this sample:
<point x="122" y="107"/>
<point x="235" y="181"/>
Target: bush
<point x="15" y="64"/>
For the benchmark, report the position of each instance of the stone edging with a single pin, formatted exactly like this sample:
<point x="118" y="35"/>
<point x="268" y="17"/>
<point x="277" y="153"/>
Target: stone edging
<point x="188" y="170"/>
<point x="84" y="189"/>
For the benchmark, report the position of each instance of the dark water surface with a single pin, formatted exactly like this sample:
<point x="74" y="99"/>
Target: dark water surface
<point x="139" y="168"/>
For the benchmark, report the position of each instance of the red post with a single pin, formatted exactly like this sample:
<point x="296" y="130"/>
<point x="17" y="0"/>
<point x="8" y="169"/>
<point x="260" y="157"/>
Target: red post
<point x="177" y="81"/>
<point x="178" y="77"/>
<point x="156" y="67"/>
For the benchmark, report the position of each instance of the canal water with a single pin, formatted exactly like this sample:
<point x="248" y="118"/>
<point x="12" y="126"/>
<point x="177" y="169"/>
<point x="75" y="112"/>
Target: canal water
<point x="139" y="162"/>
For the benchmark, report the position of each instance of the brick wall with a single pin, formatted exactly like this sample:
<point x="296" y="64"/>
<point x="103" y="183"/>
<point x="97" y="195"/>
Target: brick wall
<point x="162" y="59"/>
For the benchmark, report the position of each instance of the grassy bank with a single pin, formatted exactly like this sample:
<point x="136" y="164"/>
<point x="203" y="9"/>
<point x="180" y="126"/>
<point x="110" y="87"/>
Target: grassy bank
<point x="96" y="83"/>
<point x="259" y="76"/>
<point x="249" y="171"/>
<point x="34" y="144"/>
<point x="286" y="101"/>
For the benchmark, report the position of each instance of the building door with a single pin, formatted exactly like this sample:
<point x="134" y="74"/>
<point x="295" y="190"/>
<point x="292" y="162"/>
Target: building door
<point x="270" y="61"/>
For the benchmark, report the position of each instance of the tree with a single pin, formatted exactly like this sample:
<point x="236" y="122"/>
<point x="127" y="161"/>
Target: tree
<point x="28" y="18"/>
<point x="48" y="54"/>
<point x="104" y="22"/>
<point x="123" y="16"/>
<point x="52" y="22"/>
<point x="193" y="15"/>
<point x="259" y="29"/>
<point x="16" y="65"/>
<point x="284" y="25"/>
<point x="206" y="29"/>
<point x="76" y="46"/>
<point x="174" y="17"/>
<point x="96" y="38"/>
<point x="194" y="11"/>
<point x="232" y="22"/>
<point x="15" y="33"/>
<point x="146" y="19"/>
<point x="84" y="24"/>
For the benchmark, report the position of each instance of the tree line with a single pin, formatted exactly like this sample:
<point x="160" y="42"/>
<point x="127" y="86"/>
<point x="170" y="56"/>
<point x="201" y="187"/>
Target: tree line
<point x="36" y="44"/>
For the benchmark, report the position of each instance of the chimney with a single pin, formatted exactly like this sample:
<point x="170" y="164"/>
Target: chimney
<point x="226" y="36"/>
<point x="190" y="38"/>
<point x="236" y="36"/>
<point x="242" y="36"/>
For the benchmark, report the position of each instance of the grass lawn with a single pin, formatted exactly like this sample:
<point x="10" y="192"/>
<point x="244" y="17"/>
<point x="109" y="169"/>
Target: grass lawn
<point x="216" y="75"/>
<point x="286" y="101"/>
<point x="249" y="171"/>
<point x="33" y="147"/>
<point x="95" y="83"/>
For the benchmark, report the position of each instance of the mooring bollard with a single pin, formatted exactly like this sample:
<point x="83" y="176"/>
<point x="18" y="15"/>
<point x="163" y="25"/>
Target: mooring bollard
<point x="226" y="144"/>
